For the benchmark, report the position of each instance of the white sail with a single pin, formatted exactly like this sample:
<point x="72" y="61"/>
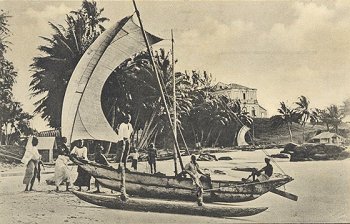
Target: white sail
<point x="241" y="136"/>
<point x="82" y="115"/>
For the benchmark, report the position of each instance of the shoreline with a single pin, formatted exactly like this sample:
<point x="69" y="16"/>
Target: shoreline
<point x="319" y="201"/>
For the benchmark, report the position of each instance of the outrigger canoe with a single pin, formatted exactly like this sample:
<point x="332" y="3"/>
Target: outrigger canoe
<point x="170" y="187"/>
<point x="172" y="207"/>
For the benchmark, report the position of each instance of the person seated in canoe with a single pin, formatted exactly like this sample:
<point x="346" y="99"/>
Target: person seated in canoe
<point x="192" y="168"/>
<point x="152" y="158"/>
<point x="268" y="170"/>
<point x="100" y="159"/>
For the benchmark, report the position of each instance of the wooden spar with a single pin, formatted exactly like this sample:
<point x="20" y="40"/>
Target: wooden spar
<point x="290" y="196"/>
<point x="172" y="207"/>
<point x="160" y="85"/>
<point x="174" y="97"/>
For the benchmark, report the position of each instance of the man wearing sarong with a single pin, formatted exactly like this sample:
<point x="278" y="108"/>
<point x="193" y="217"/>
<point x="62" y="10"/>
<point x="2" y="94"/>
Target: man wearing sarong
<point x="100" y="159"/>
<point x="84" y="177"/>
<point x="31" y="159"/>
<point x="62" y="173"/>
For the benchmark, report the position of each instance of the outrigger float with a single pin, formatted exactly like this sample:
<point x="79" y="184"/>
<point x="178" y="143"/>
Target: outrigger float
<point x="172" y="207"/>
<point x="83" y="118"/>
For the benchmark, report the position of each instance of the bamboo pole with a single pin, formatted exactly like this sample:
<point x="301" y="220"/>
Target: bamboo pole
<point x="174" y="96"/>
<point x="159" y="82"/>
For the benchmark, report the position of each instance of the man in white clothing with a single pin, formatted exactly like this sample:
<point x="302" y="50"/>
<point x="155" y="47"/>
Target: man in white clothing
<point x="125" y="130"/>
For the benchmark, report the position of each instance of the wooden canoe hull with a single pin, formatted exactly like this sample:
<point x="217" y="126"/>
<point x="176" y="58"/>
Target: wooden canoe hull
<point x="169" y="187"/>
<point x="172" y="207"/>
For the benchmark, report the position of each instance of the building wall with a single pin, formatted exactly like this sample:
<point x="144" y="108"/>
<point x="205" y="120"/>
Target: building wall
<point x="248" y="99"/>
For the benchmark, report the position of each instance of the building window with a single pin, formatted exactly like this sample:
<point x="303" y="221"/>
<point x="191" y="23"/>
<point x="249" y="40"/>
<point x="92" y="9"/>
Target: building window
<point x="244" y="96"/>
<point x="253" y="112"/>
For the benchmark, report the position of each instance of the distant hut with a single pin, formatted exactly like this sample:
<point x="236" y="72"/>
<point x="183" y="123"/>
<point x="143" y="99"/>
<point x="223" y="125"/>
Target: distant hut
<point x="46" y="147"/>
<point x="328" y="138"/>
<point x="48" y="144"/>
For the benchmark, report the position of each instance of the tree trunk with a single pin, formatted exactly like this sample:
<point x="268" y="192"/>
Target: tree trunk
<point x="207" y="140"/>
<point x="290" y="133"/>
<point x="217" y="139"/>
<point x="1" y="133"/>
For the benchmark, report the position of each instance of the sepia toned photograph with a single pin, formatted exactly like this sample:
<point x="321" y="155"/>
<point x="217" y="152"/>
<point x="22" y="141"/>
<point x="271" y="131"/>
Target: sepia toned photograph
<point x="179" y="111"/>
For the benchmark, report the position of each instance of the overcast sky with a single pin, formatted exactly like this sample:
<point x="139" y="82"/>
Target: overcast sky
<point x="283" y="48"/>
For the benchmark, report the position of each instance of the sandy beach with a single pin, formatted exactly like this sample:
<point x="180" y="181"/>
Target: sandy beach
<point x="322" y="187"/>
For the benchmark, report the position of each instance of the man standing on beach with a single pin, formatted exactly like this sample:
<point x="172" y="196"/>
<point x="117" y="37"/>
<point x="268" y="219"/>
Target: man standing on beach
<point x="125" y="131"/>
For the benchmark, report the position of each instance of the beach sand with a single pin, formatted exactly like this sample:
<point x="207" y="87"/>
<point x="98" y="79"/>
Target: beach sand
<point x="323" y="188"/>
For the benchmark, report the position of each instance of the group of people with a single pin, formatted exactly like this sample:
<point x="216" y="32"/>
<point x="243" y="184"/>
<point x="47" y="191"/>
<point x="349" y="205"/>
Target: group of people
<point x="32" y="159"/>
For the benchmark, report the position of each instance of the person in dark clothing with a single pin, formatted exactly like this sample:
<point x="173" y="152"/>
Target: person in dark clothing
<point x="101" y="159"/>
<point x="83" y="179"/>
<point x="152" y="158"/>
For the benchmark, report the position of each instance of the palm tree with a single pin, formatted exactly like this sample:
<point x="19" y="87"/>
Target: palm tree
<point x="63" y="51"/>
<point x="334" y="116"/>
<point x="305" y="112"/>
<point x="286" y="117"/>
<point x="93" y="17"/>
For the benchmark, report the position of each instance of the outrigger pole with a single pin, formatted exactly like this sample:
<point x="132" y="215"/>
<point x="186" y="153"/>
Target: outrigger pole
<point x="160" y="85"/>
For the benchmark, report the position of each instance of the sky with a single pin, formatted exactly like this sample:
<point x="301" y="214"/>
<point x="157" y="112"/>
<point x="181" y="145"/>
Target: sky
<point x="282" y="48"/>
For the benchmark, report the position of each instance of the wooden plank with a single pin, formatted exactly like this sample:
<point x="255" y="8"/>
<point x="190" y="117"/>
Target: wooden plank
<point x="172" y="207"/>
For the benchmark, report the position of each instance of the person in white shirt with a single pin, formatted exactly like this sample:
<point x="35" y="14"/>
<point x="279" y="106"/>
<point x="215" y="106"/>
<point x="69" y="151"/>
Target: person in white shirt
<point x="31" y="159"/>
<point x="125" y="130"/>
<point x="83" y="179"/>
<point x="134" y="158"/>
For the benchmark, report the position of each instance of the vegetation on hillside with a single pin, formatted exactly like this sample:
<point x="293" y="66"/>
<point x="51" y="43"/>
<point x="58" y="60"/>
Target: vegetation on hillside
<point x="13" y="120"/>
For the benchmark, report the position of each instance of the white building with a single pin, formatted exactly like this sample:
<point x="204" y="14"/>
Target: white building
<point x="247" y="96"/>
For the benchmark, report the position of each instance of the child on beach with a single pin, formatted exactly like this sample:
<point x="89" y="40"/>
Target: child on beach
<point x="152" y="158"/>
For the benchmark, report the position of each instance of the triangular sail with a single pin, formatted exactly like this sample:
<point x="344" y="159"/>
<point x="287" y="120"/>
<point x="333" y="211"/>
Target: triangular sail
<point x="82" y="115"/>
<point x="241" y="136"/>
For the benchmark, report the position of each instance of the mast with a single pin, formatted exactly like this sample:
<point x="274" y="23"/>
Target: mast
<point x="160" y="85"/>
<point x="174" y="97"/>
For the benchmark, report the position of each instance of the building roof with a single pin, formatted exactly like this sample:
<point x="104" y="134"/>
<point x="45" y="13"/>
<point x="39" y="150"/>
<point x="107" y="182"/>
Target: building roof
<point x="50" y="133"/>
<point x="46" y="143"/>
<point x="261" y="108"/>
<point x="326" y="135"/>
<point x="223" y="86"/>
